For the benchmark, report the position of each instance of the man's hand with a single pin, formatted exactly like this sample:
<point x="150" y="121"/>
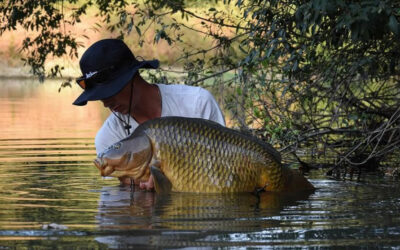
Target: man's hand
<point x="126" y="181"/>
<point x="148" y="185"/>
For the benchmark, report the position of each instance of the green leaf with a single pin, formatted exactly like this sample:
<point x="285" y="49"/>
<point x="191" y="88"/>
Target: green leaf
<point x="270" y="51"/>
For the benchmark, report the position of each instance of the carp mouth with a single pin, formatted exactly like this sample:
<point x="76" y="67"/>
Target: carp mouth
<point x="106" y="168"/>
<point x="103" y="167"/>
<point x="117" y="167"/>
<point x="129" y="157"/>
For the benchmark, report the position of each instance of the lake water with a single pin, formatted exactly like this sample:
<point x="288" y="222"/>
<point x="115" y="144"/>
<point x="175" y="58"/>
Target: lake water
<point x="52" y="196"/>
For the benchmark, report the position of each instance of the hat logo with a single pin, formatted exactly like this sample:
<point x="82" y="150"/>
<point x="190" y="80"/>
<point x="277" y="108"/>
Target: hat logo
<point x="90" y="74"/>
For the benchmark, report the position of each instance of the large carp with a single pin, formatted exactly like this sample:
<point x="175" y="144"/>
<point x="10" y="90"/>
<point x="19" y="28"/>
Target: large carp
<point x="197" y="155"/>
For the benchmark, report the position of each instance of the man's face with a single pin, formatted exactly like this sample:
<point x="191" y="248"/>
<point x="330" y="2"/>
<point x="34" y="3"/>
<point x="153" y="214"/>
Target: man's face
<point x="119" y="102"/>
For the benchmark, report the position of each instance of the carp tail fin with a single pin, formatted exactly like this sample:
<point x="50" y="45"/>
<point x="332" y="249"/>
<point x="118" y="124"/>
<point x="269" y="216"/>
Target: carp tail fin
<point x="295" y="181"/>
<point x="161" y="183"/>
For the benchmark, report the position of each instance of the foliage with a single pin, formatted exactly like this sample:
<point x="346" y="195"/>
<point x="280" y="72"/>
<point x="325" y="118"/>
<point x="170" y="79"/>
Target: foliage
<point x="47" y="20"/>
<point x="320" y="74"/>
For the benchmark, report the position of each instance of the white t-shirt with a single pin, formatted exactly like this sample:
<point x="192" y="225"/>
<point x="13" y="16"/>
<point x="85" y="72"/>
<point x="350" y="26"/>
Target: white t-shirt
<point x="177" y="100"/>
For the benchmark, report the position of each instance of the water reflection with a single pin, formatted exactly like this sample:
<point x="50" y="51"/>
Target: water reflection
<point x="340" y="214"/>
<point x="185" y="211"/>
<point x="186" y="216"/>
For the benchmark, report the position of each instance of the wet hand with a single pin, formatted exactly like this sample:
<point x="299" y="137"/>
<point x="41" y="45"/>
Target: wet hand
<point x="148" y="185"/>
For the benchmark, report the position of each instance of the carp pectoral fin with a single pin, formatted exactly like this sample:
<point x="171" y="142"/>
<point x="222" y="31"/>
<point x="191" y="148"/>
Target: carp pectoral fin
<point x="161" y="183"/>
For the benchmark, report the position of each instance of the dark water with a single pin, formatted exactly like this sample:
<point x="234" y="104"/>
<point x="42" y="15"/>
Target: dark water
<point x="51" y="196"/>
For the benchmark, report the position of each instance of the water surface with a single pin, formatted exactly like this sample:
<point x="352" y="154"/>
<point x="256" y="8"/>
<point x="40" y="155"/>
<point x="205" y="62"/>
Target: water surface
<point x="52" y="196"/>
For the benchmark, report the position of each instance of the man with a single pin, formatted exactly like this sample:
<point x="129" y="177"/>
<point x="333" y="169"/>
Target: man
<point x="110" y="74"/>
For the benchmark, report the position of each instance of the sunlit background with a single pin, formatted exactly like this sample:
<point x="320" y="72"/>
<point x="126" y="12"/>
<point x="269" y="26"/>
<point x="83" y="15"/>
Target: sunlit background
<point x="30" y="109"/>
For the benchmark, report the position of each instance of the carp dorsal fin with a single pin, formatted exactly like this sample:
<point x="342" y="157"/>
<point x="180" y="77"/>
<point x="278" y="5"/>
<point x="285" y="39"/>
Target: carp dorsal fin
<point x="161" y="183"/>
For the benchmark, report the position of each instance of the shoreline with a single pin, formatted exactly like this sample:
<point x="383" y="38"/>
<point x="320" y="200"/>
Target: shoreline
<point x="8" y="72"/>
<point x="32" y="77"/>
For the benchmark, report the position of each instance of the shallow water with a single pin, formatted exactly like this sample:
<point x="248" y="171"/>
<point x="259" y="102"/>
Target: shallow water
<point x="52" y="196"/>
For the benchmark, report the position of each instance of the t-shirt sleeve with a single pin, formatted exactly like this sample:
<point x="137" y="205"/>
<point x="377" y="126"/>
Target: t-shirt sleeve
<point x="209" y="109"/>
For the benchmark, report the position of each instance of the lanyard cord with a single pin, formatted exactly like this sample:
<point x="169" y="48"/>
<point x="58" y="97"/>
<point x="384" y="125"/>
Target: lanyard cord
<point x="127" y="125"/>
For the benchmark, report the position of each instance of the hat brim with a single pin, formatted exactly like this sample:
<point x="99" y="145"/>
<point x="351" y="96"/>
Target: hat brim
<point x="113" y="86"/>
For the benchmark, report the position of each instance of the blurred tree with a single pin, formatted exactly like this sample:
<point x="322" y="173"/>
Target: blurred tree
<point x="321" y="75"/>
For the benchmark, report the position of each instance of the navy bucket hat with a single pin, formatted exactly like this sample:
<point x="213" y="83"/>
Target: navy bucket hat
<point x="107" y="66"/>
